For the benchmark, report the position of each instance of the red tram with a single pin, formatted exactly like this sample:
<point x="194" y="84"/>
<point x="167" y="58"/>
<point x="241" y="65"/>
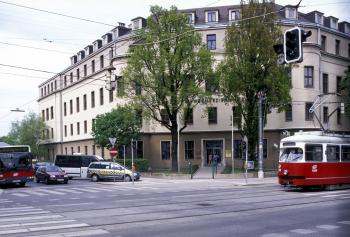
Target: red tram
<point x="314" y="159"/>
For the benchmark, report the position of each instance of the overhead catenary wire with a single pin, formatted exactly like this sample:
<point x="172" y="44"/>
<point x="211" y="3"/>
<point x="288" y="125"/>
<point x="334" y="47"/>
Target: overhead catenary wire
<point x="37" y="48"/>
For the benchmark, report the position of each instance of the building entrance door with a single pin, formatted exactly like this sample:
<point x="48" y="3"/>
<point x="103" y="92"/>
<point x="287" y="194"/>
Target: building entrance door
<point x="213" y="152"/>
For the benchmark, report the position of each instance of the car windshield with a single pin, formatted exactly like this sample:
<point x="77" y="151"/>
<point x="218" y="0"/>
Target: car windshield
<point x="52" y="168"/>
<point x="15" y="161"/>
<point x="291" y="154"/>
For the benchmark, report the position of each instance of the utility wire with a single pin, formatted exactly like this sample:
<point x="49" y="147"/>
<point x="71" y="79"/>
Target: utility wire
<point x="56" y="13"/>
<point x="30" y="47"/>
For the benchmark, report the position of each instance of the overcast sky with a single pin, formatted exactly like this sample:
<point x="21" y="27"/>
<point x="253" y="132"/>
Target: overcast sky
<point x="66" y="36"/>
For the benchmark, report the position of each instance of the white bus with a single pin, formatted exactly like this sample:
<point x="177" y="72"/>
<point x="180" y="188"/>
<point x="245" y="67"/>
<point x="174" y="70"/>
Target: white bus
<point x="76" y="165"/>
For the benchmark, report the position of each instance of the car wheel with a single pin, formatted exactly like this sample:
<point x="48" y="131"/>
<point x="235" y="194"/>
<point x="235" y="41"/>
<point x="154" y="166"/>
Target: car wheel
<point x="22" y="184"/>
<point x="37" y="180"/>
<point x="46" y="181"/>
<point x="127" y="178"/>
<point x="65" y="182"/>
<point x="94" y="178"/>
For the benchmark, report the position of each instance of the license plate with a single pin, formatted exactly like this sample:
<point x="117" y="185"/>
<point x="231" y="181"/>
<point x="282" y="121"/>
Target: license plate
<point x="60" y="179"/>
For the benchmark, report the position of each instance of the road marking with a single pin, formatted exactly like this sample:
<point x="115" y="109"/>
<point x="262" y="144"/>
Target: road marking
<point x="323" y="193"/>
<point x="71" y="204"/>
<point x="69" y="191"/>
<point x="74" y="198"/>
<point x="344" y="222"/>
<point x="302" y="231"/>
<point x="35" y="192"/>
<point x="57" y="227"/>
<point x="273" y="235"/>
<point x="52" y="192"/>
<point x="21" y="210"/>
<point x="95" y="232"/>
<point x="20" y="194"/>
<point x="30" y="218"/>
<point x="35" y="223"/>
<point x="86" y="190"/>
<point x="6" y="232"/>
<point x="327" y="227"/>
<point x="24" y="213"/>
<point x="16" y="208"/>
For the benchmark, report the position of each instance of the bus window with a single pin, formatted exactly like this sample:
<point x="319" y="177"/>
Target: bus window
<point x="345" y="153"/>
<point x="313" y="152"/>
<point x="332" y="153"/>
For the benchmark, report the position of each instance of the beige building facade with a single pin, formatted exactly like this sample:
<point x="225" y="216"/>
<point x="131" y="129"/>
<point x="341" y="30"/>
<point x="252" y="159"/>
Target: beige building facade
<point x="70" y="101"/>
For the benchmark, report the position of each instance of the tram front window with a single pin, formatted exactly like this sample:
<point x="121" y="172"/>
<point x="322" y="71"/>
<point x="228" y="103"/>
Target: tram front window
<point x="291" y="154"/>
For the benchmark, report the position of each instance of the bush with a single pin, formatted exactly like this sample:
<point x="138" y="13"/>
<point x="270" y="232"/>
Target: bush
<point x="141" y="165"/>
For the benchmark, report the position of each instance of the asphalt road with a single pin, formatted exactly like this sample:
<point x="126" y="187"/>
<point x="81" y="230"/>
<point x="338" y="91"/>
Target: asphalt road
<point x="171" y="208"/>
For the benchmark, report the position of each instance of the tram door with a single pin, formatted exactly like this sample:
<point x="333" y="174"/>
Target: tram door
<point x="213" y="151"/>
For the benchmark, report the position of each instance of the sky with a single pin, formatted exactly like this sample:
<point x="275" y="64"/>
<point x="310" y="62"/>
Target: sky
<point x="64" y="37"/>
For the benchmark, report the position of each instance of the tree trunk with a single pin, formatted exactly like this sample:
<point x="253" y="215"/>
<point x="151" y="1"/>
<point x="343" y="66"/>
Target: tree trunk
<point x="174" y="154"/>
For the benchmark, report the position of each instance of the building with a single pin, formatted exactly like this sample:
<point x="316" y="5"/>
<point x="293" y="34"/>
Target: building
<point x="70" y="101"/>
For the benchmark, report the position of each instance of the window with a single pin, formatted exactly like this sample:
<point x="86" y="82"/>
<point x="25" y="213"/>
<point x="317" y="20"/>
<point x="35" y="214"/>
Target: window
<point x="93" y="149"/>
<point x="211" y="16"/>
<point x="345" y="153"/>
<point x="101" y="96"/>
<point x="165" y="150"/>
<point x="65" y="130"/>
<point x="189" y="150"/>
<point x="313" y="152"/>
<point x="84" y="102"/>
<point x="85" y="150"/>
<point x="323" y="42"/>
<point x="101" y="61"/>
<point x="339" y="87"/>
<point x="85" y="70"/>
<point x="42" y="92"/>
<point x="289" y="113"/>
<point x="334" y="23"/>
<point x="139" y="149"/>
<point x="212" y="115"/>
<point x="78" y="128"/>
<point x="234" y="15"/>
<point x="93" y="66"/>
<point x="65" y="109"/>
<point x="77" y="104"/>
<point x="111" y="96"/>
<point x="92" y="99"/>
<point x="51" y="110"/>
<point x="211" y="42"/>
<point x="65" y="81"/>
<point x="52" y="133"/>
<point x="325" y="114"/>
<point x="93" y="123"/>
<point x="65" y="150"/>
<point x="71" y="129"/>
<point x="291" y="12"/>
<point x="43" y="115"/>
<point x="55" y="85"/>
<point x="319" y="19"/>
<point x="190" y="18"/>
<point x="189" y="116"/>
<point x="85" y="126"/>
<point x="308" y="115"/>
<point x="337" y="47"/>
<point x="138" y="88"/>
<point x="71" y="77"/>
<point x="78" y="149"/>
<point x="308" y="77"/>
<point x="338" y="116"/>
<point x="349" y="50"/>
<point x="71" y="106"/>
<point x="78" y="74"/>
<point x="333" y="153"/>
<point x="325" y="83"/>
<point x="47" y="114"/>
<point x="72" y="150"/>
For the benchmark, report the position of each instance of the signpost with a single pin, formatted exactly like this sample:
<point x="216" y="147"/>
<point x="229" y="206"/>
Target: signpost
<point x="113" y="151"/>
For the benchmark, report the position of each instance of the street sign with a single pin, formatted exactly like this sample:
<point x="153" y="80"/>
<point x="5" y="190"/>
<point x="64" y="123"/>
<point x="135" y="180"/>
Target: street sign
<point x="249" y="165"/>
<point x="112" y="140"/>
<point x="113" y="151"/>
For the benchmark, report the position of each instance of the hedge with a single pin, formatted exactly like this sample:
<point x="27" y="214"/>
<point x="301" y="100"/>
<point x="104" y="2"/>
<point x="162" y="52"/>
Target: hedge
<point x="141" y="165"/>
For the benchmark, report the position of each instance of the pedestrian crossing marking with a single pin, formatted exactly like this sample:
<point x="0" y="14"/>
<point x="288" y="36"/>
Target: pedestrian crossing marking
<point x="302" y="231"/>
<point x="94" y="232"/>
<point x="327" y="227"/>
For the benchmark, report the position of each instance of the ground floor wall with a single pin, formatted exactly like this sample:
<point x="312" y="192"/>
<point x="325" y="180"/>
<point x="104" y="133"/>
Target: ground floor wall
<point x="199" y="148"/>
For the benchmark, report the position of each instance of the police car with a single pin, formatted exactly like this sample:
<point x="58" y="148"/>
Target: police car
<point x="103" y="170"/>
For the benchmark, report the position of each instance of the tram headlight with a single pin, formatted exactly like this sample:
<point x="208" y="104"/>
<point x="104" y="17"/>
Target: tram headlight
<point x="285" y="172"/>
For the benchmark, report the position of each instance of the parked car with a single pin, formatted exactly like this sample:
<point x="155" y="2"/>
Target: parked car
<point x="103" y="170"/>
<point x="51" y="174"/>
<point x="39" y="164"/>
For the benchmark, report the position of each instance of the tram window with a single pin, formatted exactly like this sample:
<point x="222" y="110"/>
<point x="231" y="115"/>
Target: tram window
<point x="345" y="153"/>
<point x="333" y="153"/>
<point x="313" y="152"/>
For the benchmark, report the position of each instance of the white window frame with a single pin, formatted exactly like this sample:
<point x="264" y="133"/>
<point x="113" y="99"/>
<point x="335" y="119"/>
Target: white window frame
<point x="334" y="23"/>
<point x="231" y="11"/>
<point x="288" y="12"/>
<point x="191" y="14"/>
<point x="207" y="16"/>
<point x="319" y="18"/>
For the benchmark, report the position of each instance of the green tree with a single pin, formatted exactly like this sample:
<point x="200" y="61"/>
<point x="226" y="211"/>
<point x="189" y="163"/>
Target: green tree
<point x="346" y="87"/>
<point x="121" y="123"/>
<point x="170" y="63"/>
<point x="249" y="67"/>
<point x="29" y="131"/>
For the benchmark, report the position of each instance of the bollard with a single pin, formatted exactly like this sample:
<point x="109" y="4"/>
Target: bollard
<point x="190" y="169"/>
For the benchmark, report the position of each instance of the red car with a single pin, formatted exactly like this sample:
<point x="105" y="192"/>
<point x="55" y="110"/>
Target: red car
<point x="51" y="174"/>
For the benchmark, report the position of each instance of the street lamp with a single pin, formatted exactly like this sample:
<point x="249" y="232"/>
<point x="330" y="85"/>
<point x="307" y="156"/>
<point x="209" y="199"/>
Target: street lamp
<point x="18" y="110"/>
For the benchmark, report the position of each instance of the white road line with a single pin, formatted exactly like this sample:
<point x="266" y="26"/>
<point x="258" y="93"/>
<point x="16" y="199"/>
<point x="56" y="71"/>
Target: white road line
<point x="69" y="191"/>
<point x="344" y="222"/>
<point x="21" y="210"/>
<point x="5" y="201"/>
<point x="86" y="190"/>
<point x="71" y="204"/>
<point x="338" y="195"/>
<point x="16" y="208"/>
<point x="302" y="231"/>
<point x="20" y="194"/>
<point x="95" y="232"/>
<point x="6" y="232"/>
<point x="327" y="227"/>
<point x="35" y="192"/>
<point x="325" y="193"/>
<point x="35" y="223"/>
<point x="58" y="227"/>
<point x="52" y="192"/>
<point x="24" y="213"/>
<point x="30" y="218"/>
<point x="101" y="189"/>
<point x="273" y="235"/>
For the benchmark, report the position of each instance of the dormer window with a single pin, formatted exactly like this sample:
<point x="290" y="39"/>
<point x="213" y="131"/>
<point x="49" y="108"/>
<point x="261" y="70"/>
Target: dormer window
<point x="318" y="19"/>
<point x="234" y="15"/>
<point x="291" y="12"/>
<point x="107" y="38"/>
<point x="334" y="23"/>
<point x="212" y="16"/>
<point x="74" y="59"/>
<point x="97" y="44"/>
<point x="190" y="18"/>
<point x="88" y="50"/>
<point x="347" y="29"/>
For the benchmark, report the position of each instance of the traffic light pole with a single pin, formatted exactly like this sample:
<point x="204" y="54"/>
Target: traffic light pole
<point x="261" y="171"/>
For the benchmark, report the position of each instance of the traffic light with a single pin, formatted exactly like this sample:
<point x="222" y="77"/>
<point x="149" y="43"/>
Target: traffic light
<point x="293" y="51"/>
